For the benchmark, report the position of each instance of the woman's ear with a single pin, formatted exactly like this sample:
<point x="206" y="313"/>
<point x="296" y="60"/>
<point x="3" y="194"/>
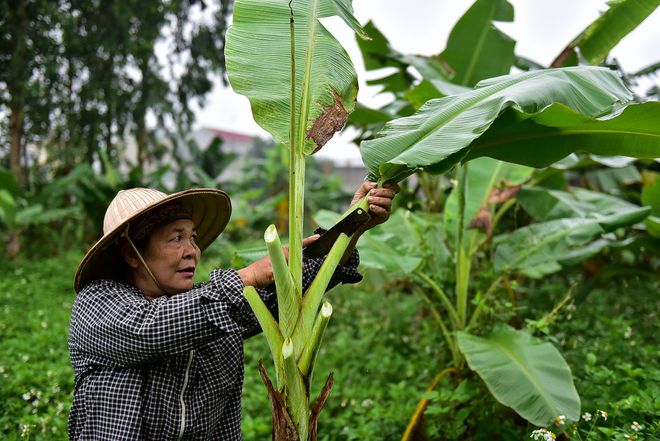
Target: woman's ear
<point x="128" y="254"/>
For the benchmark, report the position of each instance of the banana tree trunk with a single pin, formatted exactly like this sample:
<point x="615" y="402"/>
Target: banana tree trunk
<point x="283" y="427"/>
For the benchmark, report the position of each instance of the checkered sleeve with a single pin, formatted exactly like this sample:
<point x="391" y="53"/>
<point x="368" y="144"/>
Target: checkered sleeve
<point x="113" y="323"/>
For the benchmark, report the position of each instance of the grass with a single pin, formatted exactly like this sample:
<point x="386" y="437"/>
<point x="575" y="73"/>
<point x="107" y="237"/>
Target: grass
<point x="36" y="378"/>
<point x="381" y="346"/>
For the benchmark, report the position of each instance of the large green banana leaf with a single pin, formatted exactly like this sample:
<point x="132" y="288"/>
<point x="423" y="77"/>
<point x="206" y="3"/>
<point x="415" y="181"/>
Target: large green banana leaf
<point x="476" y="49"/>
<point x="529" y="376"/>
<point x="440" y="133"/>
<point x="543" y="204"/>
<point x="540" y="139"/>
<point x="258" y="54"/>
<point x="540" y="249"/>
<point x="604" y="34"/>
<point x="612" y="180"/>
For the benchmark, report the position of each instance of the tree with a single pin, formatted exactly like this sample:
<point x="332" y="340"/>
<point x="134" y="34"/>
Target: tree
<point x="82" y="74"/>
<point x="29" y="51"/>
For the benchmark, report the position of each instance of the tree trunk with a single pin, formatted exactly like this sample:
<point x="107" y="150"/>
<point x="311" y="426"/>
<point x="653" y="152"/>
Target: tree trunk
<point x="16" y="128"/>
<point x="139" y="115"/>
<point x="283" y="427"/>
<point x="142" y="139"/>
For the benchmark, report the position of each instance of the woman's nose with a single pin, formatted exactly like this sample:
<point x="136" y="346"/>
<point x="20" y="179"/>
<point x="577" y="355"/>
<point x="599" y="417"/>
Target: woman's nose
<point x="190" y="249"/>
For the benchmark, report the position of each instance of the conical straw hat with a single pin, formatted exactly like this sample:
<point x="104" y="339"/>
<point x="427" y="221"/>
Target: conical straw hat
<point x="209" y="210"/>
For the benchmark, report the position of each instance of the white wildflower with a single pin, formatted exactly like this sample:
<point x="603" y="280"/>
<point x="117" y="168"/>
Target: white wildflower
<point x="603" y="414"/>
<point x="586" y="416"/>
<point x="543" y="434"/>
<point x="560" y="420"/>
<point x="368" y="402"/>
<point x="25" y="429"/>
<point x="628" y="333"/>
<point x="636" y="426"/>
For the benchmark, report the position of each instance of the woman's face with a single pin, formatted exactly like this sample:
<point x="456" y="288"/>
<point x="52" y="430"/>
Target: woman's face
<point x="172" y="255"/>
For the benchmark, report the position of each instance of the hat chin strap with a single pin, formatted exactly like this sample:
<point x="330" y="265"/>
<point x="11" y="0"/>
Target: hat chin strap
<point x="125" y="234"/>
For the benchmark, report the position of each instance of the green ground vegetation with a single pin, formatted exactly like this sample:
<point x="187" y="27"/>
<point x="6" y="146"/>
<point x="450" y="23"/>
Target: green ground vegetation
<point x="384" y="352"/>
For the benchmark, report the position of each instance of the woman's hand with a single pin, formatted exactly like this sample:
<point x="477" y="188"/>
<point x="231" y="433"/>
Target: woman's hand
<point x="260" y="273"/>
<point x="379" y="199"/>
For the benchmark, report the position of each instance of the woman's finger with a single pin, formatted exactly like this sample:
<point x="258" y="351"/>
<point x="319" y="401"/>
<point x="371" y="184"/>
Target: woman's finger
<point x="310" y="240"/>
<point x="381" y="202"/>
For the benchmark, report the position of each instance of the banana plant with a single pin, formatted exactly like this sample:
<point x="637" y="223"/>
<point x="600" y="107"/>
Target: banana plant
<point x="443" y="125"/>
<point x="301" y="85"/>
<point x="501" y="118"/>
<point x="568" y="227"/>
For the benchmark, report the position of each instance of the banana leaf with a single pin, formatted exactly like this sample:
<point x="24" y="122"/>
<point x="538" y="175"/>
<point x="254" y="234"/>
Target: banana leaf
<point x="612" y="180"/>
<point x="258" y="55"/>
<point x="439" y="135"/>
<point x="377" y="54"/>
<point x="529" y="376"/>
<point x="601" y="36"/>
<point x="540" y="249"/>
<point x="540" y="139"/>
<point x="543" y="204"/>
<point x="476" y="49"/>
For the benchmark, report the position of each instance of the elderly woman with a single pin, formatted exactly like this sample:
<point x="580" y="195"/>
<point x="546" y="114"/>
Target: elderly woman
<point x="156" y="357"/>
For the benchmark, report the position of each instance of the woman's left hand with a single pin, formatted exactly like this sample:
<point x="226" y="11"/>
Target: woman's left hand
<point x="260" y="273"/>
<point x="379" y="199"/>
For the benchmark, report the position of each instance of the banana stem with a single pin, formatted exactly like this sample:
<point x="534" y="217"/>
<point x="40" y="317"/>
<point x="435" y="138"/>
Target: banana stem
<point x="271" y="330"/>
<point x="296" y="175"/>
<point x="297" y="397"/>
<point x="314" y="295"/>
<point x="462" y="259"/>
<point x="308" y="356"/>
<point x="453" y="316"/>
<point x="288" y="299"/>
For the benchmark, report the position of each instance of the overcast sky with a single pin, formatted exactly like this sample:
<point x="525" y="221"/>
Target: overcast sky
<point x="541" y="28"/>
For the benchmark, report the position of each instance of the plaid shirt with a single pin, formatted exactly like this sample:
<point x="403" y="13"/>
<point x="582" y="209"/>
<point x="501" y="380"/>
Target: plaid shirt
<point x="166" y="369"/>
